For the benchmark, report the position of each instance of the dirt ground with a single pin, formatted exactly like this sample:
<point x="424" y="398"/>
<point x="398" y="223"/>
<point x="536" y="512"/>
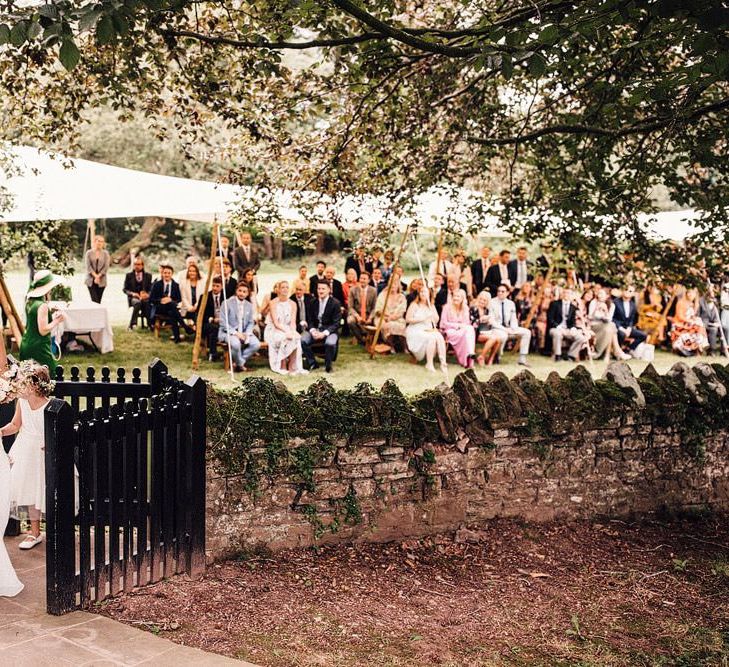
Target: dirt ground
<point x="607" y="593"/>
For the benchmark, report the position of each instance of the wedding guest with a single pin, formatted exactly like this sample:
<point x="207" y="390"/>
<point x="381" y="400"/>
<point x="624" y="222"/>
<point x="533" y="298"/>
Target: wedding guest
<point x="335" y="286"/>
<point x="36" y="341"/>
<point x="260" y="313"/>
<point x="561" y="326"/>
<point x="225" y="249"/>
<point x="246" y="256"/>
<point x="319" y="275"/>
<point x="445" y="294"/>
<point x="492" y="338"/>
<point x="399" y="273"/>
<point x="137" y="285"/>
<point x="284" y="341"/>
<point x="236" y="328"/>
<point x="211" y="316"/>
<point x="523" y="302"/>
<point x="626" y="318"/>
<point x="301" y="276"/>
<point x="455" y="324"/>
<point x="416" y="284"/>
<point x="388" y="264"/>
<point x="190" y="260"/>
<point x="28" y="479"/>
<point x="479" y="269"/>
<point x="461" y="268"/>
<point x="504" y="314"/>
<point x="498" y="273"/>
<point x="302" y="299"/>
<point x="688" y="335"/>
<point x="191" y="289"/>
<point x="361" y="307"/>
<point x="375" y="261"/>
<point x="519" y="269"/>
<point x="393" y="315"/>
<point x="229" y="282"/>
<point x="441" y="265"/>
<point x="378" y="281"/>
<point x="540" y="323"/>
<point x="600" y="315"/>
<point x="98" y="262"/>
<point x="356" y="261"/>
<point x="709" y="314"/>
<point x="165" y="299"/>
<point x="422" y="335"/>
<point x="324" y="315"/>
<point x="350" y="281"/>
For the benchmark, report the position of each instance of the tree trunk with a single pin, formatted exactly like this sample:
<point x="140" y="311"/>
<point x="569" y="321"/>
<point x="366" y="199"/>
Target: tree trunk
<point x="136" y="244"/>
<point x="267" y="246"/>
<point x="277" y="249"/>
<point x="321" y="239"/>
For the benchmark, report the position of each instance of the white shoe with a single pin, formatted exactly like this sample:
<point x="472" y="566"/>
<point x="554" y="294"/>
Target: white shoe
<point x="30" y="541"/>
<point x="302" y="371"/>
<point x="282" y="371"/>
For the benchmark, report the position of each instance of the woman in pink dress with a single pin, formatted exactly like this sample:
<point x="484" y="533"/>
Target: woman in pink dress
<point x="455" y="323"/>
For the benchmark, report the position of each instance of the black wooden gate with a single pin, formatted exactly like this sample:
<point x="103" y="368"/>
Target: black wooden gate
<point x="138" y="513"/>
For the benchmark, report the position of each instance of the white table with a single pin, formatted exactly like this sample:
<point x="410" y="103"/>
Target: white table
<point x="88" y="319"/>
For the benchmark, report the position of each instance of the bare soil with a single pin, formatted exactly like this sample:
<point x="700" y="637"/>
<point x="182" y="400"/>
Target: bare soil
<point x="603" y="593"/>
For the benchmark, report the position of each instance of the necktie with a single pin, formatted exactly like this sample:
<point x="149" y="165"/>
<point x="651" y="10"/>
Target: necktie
<point x="503" y="313"/>
<point x="217" y="303"/>
<point x="565" y="312"/>
<point x="167" y="289"/>
<point x="247" y="252"/>
<point x="322" y="303"/>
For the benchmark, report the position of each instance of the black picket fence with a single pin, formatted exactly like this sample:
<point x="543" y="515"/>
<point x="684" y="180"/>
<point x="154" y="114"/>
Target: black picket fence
<point x="138" y="512"/>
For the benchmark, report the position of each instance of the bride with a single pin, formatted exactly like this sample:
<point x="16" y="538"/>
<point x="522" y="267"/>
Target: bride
<point x="284" y="342"/>
<point x="10" y="585"/>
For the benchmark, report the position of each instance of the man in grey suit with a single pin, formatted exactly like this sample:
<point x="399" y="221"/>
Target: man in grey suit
<point x="504" y="313"/>
<point x="361" y="306"/>
<point x="236" y="328"/>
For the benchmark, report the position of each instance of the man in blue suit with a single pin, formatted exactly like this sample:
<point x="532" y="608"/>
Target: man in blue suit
<point x="236" y="328"/>
<point x="164" y="297"/>
<point x="626" y="319"/>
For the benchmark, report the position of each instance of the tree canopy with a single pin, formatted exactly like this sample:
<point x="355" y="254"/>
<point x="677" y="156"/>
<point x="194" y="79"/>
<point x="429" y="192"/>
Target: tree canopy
<point x="567" y="114"/>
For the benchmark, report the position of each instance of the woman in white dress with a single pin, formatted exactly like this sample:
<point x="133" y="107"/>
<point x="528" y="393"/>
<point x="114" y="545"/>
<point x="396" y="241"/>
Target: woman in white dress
<point x="284" y="342"/>
<point x="28" y="478"/>
<point x="10" y="585"/>
<point x="422" y="335"/>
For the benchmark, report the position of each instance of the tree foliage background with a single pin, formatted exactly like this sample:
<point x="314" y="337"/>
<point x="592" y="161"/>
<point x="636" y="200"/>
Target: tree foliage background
<point x="568" y="115"/>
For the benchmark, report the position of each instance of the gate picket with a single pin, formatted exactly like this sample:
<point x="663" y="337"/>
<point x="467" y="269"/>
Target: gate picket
<point x="85" y="469"/>
<point x="142" y="510"/>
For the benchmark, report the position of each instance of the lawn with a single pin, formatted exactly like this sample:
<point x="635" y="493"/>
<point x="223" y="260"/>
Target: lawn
<point x="354" y="365"/>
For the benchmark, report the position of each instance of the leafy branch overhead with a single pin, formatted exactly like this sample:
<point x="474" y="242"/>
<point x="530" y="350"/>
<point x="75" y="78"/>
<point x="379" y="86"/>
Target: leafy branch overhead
<point x="573" y="115"/>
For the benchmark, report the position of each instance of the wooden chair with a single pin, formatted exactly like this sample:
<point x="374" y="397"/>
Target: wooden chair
<point x="262" y="352"/>
<point x="161" y="322"/>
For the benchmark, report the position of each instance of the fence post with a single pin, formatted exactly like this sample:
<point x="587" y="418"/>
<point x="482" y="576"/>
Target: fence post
<point x="156" y="372"/>
<point x="197" y="392"/>
<point x="60" y="507"/>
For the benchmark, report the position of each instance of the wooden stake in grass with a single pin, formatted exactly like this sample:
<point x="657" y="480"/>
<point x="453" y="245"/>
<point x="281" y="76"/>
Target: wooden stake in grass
<point x="204" y="300"/>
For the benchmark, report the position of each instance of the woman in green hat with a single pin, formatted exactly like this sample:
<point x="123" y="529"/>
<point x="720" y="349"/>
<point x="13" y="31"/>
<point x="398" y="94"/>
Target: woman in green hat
<point x="36" y="341"/>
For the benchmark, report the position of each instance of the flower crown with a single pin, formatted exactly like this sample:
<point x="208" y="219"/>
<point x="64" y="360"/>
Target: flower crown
<point x="17" y="378"/>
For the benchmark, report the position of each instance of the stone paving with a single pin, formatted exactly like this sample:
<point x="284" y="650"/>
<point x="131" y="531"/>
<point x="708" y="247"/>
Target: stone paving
<point x="31" y="638"/>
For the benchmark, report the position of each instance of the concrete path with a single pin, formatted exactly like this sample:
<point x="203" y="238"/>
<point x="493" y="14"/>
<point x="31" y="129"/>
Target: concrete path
<point x="31" y="638"/>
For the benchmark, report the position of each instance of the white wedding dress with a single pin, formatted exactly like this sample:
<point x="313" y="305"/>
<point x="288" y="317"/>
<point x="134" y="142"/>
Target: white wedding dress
<point x="10" y="585"/>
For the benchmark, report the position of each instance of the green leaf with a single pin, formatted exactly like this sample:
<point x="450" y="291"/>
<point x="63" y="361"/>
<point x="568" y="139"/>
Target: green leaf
<point x="34" y="29"/>
<point x="537" y="65"/>
<point x="4" y="34"/>
<point x="49" y="11"/>
<point x="88" y="20"/>
<point x="549" y="34"/>
<point x="105" y="30"/>
<point x="507" y="66"/>
<point x="69" y="55"/>
<point x="121" y="25"/>
<point x="704" y="43"/>
<point x="19" y="33"/>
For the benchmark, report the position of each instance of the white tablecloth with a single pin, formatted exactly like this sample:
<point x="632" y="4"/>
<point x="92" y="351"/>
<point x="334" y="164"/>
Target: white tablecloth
<point x="86" y="318"/>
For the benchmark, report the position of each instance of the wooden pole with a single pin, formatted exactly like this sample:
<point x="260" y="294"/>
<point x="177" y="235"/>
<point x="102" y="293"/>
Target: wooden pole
<point x="378" y="328"/>
<point x="538" y="297"/>
<point x="6" y="303"/>
<point x="438" y="258"/>
<point x="204" y="300"/>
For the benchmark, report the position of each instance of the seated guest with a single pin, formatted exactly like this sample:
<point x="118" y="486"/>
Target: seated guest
<point x="261" y="313"/>
<point x="375" y="261"/>
<point x="445" y="294"/>
<point x="688" y="335"/>
<point x="416" y="284"/>
<point x="302" y="301"/>
<point x="393" y="315"/>
<point x="137" y="285"/>
<point x="561" y="326"/>
<point x="246" y="256"/>
<point x="335" y="286"/>
<point x="498" y="273"/>
<point x="455" y="324"/>
<point x="503" y="310"/>
<point x="182" y="273"/>
<point x="492" y="338"/>
<point x="626" y="319"/>
<point x="399" y="272"/>
<point x="325" y="313"/>
<point x="191" y="289"/>
<point x="378" y="282"/>
<point x="422" y="335"/>
<point x="319" y="275"/>
<point x="523" y="302"/>
<point x="355" y="261"/>
<point x="284" y="341"/>
<point x="361" y="309"/>
<point x="236" y="327"/>
<point x="650" y="314"/>
<point x="164" y="299"/>
<point x="387" y="264"/>
<point x="709" y="314"/>
<point x="600" y="316"/>
<point x="540" y="321"/>
<point x="249" y="278"/>
<point x="211" y="317"/>
<point x="230" y="284"/>
<point x="350" y="281"/>
<point x="303" y="271"/>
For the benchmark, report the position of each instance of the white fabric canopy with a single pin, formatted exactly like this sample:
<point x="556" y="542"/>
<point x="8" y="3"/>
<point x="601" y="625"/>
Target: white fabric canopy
<point x="49" y="186"/>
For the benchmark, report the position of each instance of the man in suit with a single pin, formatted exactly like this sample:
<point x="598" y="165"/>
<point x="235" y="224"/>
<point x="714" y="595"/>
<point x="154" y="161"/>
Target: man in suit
<point x="519" y="269"/>
<point x="498" y="274"/>
<point x="357" y="262"/>
<point x="626" y="319"/>
<point x="319" y="275"/>
<point x="246" y="256"/>
<point x="378" y="282"/>
<point x="362" y="299"/>
<point x="561" y="327"/>
<point x="441" y="264"/>
<point x="229" y="283"/>
<point x="324" y="315"/>
<point x="335" y="286"/>
<point x="225" y="249"/>
<point x="137" y="285"/>
<point x="211" y="317"/>
<point x="503" y="310"/>
<point x="164" y="298"/>
<point x="444" y="294"/>
<point x="479" y="269"/>
<point x="236" y="328"/>
<point x="302" y="301"/>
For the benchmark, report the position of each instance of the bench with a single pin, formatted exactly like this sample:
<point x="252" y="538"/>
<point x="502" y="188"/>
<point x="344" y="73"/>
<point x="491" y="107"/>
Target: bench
<point x="262" y="352"/>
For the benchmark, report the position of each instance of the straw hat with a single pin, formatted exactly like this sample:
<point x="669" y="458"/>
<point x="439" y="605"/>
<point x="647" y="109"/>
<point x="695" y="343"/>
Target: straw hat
<point x="43" y="283"/>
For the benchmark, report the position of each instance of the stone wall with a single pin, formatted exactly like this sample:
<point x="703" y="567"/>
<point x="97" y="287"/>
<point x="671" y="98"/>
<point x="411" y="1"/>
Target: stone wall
<point x="565" y="448"/>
